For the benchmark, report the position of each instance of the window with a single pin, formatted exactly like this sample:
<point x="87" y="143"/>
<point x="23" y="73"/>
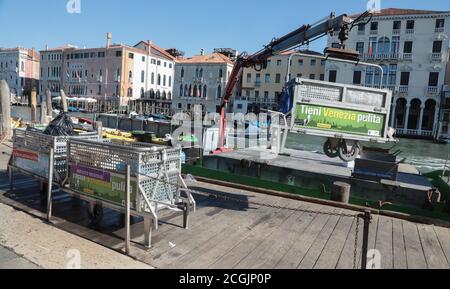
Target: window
<point x="357" y="77"/>
<point x="142" y="76"/>
<point x="258" y="78"/>
<point x="373" y="26"/>
<point x="256" y="93"/>
<point x="437" y="46"/>
<point x="384" y="45"/>
<point x="312" y="76"/>
<point x="322" y="62"/>
<point x="322" y="77"/>
<point x="164" y="80"/>
<point x="130" y="74"/>
<point x="267" y="78"/>
<point x="219" y="91"/>
<point x="101" y="54"/>
<point x="434" y="79"/>
<point x="392" y="74"/>
<point x="395" y="47"/>
<point x="159" y="63"/>
<point x="440" y="23"/>
<point x="408" y="47"/>
<point x="221" y="73"/>
<point x="278" y="78"/>
<point x="361" y="27"/>
<point x="369" y="76"/>
<point x="373" y="45"/>
<point x="397" y="25"/>
<point x="360" y="47"/>
<point x="119" y="53"/>
<point x="404" y="78"/>
<point x="300" y="62"/>
<point x="159" y="79"/>
<point x="153" y="78"/>
<point x="153" y="61"/>
<point x="170" y="65"/>
<point x="143" y="58"/>
<point x="332" y="76"/>
<point x="266" y="95"/>
<point x="249" y="77"/>
<point x="279" y="62"/>
<point x="131" y="55"/>
<point x="313" y="62"/>
<point x="170" y="81"/>
<point x="410" y="24"/>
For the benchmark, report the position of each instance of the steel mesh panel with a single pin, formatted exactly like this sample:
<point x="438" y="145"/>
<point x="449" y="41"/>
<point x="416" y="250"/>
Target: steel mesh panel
<point x="327" y="93"/>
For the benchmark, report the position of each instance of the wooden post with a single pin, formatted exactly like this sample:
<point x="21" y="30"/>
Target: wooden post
<point x="340" y="192"/>
<point x="128" y="211"/>
<point x="43" y="118"/>
<point x="33" y="105"/>
<point x="64" y="101"/>
<point x="48" y="99"/>
<point x="5" y="102"/>
<point x="98" y="126"/>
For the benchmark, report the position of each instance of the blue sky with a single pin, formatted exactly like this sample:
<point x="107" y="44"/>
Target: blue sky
<point x="187" y="25"/>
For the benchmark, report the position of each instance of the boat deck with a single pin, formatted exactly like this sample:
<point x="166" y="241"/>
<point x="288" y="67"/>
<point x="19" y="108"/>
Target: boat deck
<point x="225" y="234"/>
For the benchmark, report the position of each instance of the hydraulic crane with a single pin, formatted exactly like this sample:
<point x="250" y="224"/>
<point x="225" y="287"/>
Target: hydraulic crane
<point x="303" y="35"/>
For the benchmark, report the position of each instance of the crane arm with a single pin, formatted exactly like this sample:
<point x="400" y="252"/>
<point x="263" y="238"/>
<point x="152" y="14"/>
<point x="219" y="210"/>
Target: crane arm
<point x="341" y="24"/>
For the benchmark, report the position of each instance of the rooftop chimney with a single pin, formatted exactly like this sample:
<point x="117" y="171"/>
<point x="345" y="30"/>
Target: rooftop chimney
<point x="202" y="52"/>
<point x="108" y="41"/>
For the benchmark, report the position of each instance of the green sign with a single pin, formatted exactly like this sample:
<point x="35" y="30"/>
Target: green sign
<point x="103" y="185"/>
<point x="339" y="120"/>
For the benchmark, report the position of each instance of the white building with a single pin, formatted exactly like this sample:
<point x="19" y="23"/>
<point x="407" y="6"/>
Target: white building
<point x="20" y="68"/>
<point x="412" y="48"/>
<point x="201" y="80"/>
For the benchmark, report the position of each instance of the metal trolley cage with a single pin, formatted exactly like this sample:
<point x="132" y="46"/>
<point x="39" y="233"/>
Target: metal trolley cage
<point x="152" y="174"/>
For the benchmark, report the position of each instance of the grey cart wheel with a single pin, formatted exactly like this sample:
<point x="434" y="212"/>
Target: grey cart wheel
<point x="349" y="155"/>
<point x="329" y="150"/>
<point x="95" y="214"/>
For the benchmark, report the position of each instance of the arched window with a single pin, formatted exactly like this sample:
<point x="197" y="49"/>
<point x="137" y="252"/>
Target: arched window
<point x="22" y="66"/>
<point x="142" y="93"/>
<point x="196" y="73"/>
<point x="152" y="93"/>
<point x="205" y="92"/>
<point x="170" y="81"/>
<point x="130" y="74"/>
<point x="164" y="80"/>
<point x="195" y="91"/>
<point x="164" y="95"/>
<point x="159" y="79"/>
<point x="153" y="78"/>
<point x="384" y="45"/>
<point x="190" y="90"/>
<point x="186" y="90"/>
<point x="142" y="76"/>
<point x="130" y="92"/>
<point x="158" y="94"/>
<point x="182" y="72"/>
<point x="219" y="91"/>
<point x="220" y="73"/>
<point x="181" y="90"/>
<point x="201" y="72"/>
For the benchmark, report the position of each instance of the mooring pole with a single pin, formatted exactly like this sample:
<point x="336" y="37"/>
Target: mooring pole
<point x="5" y="102"/>
<point x="365" y="246"/>
<point x="64" y="101"/>
<point x="33" y="105"/>
<point x="48" y="99"/>
<point x="128" y="211"/>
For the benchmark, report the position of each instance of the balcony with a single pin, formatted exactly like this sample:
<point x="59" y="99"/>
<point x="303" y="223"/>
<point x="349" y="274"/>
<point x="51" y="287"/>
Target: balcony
<point x="373" y="32"/>
<point x="414" y="132"/>
<point x="403" y="89"/>
<point x="396" y="32"/>
<point x="410" y="31"/>
<point x="257" y="83"/>
<point x="439" y="30"/>
<point x="407" y="57"/>
<point x="432" y="91"/>
<point x="361" y="32"/>
<point x="436" y="57"/>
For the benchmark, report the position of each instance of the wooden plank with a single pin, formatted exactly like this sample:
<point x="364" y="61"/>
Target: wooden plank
<point x="432" y="248"/>
<point x="206" y="254"/>
<point x="443" y="235"/>
<point x="329" y="257"/>
<point x="273" y="248"/>
<point x="346" y="260"/>
<point x="256" y="237"/>
<point x="315" y="251"/>
<point x="399" y="250"/>
<point x="384" y="242"/>
<point x="194" y="238"/>
<point x="296" y="253"/>
<point x="414" y="251"/>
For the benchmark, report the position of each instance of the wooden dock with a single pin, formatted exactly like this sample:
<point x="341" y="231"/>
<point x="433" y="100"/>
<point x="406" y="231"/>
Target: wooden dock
<point x="237" y="235"/>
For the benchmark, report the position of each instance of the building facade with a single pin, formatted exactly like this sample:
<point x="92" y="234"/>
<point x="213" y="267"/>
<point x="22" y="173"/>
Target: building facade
<point x="201" y="80"/>
<point x="411" y="46"/>
<point x="20" y="68"/>
<point x="444" y="116"/>
<point x="262" y="89"/>
<point x="142" y="72"/>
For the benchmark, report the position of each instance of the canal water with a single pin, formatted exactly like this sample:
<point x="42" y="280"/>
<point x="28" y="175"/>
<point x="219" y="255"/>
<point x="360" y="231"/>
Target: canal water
<point x="426" y="155"/>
